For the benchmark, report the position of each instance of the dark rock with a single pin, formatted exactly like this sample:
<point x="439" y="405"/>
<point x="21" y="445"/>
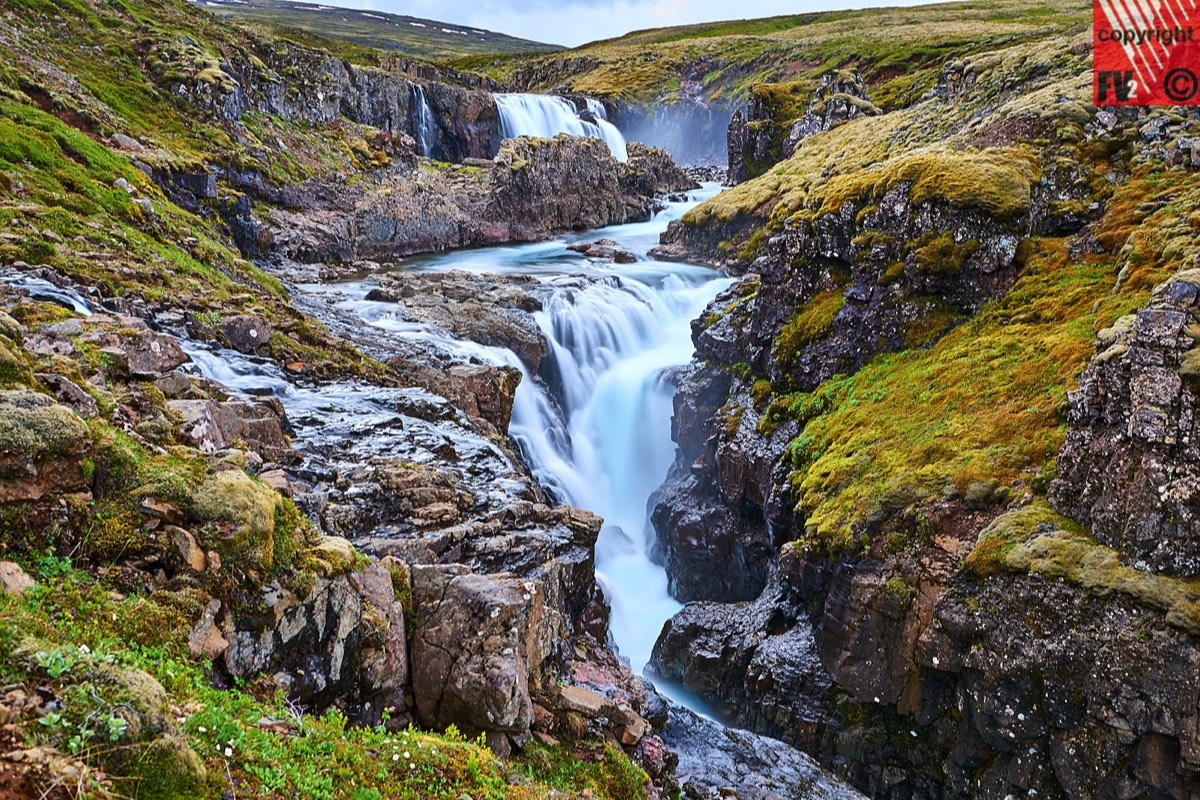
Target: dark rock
<point x="246" y="333"/>
<point x="70" y="394"/>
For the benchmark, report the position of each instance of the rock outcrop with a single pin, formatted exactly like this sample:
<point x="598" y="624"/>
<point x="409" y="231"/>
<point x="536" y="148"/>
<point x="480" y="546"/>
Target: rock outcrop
<point x="1130" y="467"/>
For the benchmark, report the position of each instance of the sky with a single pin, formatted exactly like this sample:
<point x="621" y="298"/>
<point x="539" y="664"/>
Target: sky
<point x="575" y="22"/>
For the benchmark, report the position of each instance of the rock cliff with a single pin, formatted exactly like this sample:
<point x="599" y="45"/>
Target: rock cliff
<point x="946" y="570"/>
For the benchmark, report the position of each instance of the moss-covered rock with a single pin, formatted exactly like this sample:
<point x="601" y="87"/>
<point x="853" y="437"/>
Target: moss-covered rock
<point x="9" y="328"/>
<point x="240" y="516"/>
<point x="33" y="425"/>
<point x="331" y="556"/>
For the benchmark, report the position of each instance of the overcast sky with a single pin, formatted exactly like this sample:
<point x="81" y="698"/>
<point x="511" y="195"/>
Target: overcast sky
<point x="577" y="21"/>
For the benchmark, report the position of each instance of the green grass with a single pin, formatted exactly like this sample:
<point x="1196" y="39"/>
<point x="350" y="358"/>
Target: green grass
<point x="126" y="660"/>
<point x="984" y="404"/>
<point x="899" y="50"/>
<point x="368" y="31"/>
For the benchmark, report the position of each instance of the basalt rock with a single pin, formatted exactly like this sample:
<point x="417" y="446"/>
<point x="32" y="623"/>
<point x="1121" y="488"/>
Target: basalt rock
<point x="1130" y="467"/>
<point x="651" y="170"/>
<point x="823" y="299"/>
<point x="340" y="641"/>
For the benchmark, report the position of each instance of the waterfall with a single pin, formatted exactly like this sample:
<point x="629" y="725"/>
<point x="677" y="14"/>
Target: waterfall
<point x="425" y="127"/>
<point x="612" y="342"/>
<point x="547" y="115"/>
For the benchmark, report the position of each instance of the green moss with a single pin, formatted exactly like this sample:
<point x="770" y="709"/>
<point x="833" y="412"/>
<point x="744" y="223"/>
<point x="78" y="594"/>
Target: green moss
<point x="981" y="404"/>
<point x="34" y="425"/>
<point x="997" y="540"/>
<point x="898" y="588"/>
<point x="997" y="182"/>
<point x="811" y="323"/>
<point x="1034" y="539"/>
<point x="942" y="255"/>
<point x="611" y="776"/>
<point x="239" y="513"/>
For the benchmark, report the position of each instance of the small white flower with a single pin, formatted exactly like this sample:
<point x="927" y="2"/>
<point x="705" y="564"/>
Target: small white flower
<point x="407" y="754"/>
<point x="202" y="729"/>
<point x="395" y="757"/>
<point x="83" y="648"/>
<point x="228" y="752"/>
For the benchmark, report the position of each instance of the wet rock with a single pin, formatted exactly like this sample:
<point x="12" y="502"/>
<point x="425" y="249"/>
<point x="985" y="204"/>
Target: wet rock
<point x="651" y="171"/>
<point x="604" y="250"/>
<point x="246" y="333"/>
<point x="715" y="760"/>
<point x="488" y="309"/>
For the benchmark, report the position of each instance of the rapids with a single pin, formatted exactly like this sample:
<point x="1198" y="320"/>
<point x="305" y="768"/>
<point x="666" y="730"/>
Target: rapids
<point x="595" y="427"/>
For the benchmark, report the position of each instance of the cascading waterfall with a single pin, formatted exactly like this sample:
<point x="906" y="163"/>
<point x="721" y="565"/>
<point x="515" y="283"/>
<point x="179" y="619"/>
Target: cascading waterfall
<point x="426" y="128"/>
<point x="547" y="115"/>
<point x="612" y="342"/>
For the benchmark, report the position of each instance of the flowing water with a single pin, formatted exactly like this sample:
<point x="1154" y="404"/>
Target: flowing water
<point x="547" y="115"/>
<point x="597" y="434"/>
<point x="426" y="129"/>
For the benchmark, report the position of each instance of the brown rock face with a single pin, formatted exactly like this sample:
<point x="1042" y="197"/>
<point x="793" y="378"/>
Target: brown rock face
<point x="478" y="641"/>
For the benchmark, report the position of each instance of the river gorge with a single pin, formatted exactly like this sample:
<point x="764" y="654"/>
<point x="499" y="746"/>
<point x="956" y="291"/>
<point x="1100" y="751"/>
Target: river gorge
<point x="778" y="409"/>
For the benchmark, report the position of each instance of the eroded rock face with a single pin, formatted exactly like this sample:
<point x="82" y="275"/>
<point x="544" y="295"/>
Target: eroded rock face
<point x="479" y="642"/>
<point x="532" y="189"/>
<point x="340" y="641"/>
<point x="824" y="298"/>
<point x="1130" y="468"/>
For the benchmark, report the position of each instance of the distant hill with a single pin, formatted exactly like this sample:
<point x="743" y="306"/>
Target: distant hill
<point x="419" y="38"/>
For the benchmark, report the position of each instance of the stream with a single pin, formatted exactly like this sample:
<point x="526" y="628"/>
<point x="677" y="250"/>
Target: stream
<point x="600" y="439"/>
<point x="596" y="435"/>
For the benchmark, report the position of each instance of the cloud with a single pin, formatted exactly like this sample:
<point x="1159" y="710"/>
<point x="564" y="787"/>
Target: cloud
<point x="579" y="21"/>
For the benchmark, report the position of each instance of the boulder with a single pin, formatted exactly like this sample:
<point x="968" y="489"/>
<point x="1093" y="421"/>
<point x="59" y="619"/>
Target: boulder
<point x="149" y="355"/>
<point x="246" y="333"/>
<point x="42" y="444"/>
<point x="211" y="426"/>
<point x="70" y="394"/>
<point x="478" y="640"/>
<point x="239" y="517"/>
<point x="341" y="639"/>
<point x="13" y="580"/>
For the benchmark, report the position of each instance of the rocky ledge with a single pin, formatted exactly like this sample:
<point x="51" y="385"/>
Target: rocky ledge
<point x="531" y="190"/>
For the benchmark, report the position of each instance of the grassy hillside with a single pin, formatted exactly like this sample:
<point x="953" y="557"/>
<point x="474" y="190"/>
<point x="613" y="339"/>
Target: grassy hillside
<point x="410" y="36"/>
<point x="898" y="50"/>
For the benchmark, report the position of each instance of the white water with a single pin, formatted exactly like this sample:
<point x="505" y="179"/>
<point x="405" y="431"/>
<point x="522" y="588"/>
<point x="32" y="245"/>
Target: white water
<point x="547" y="115"/>
<point x="603" y="443"/>
<point x="612" y="339"/>
<point x="426" y="129"/>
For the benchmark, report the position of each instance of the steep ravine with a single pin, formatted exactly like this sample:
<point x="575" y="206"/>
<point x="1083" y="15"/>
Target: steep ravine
<point x="591" y="415"/>
<point x="939" y="435"/>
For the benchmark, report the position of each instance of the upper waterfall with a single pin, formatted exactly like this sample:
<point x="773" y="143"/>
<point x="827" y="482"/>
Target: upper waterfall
<point x="548" y="115"/>
<point x="425" y="128"/>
